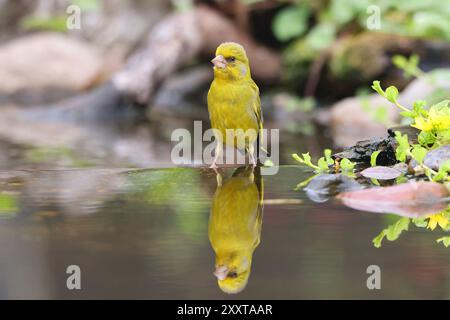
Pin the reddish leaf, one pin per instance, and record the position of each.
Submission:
(380, 173)
(410, 199)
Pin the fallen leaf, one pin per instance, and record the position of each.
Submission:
(381, 173)
(411, 199)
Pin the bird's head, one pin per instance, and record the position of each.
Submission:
(231, 62)
(232, 271)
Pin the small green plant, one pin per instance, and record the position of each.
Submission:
(393, 231)
(410, 66)
(326, 163)
(434, 126)
(433, 123)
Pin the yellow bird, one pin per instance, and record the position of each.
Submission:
(233, 101)
(235, 227)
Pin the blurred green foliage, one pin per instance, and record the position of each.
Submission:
(57, 23)
(312, 26)
(8, 205)
(182, 5)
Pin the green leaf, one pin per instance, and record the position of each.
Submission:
(322, 163)
(443, 172)
(403, 148)
(418, 153)
(379, 238)
(305, 182)
(399, 61)
(443, 136)
(419, 108)
(306, 160)
(420, 222)
(347, 165)
(408, 65)
(377, 87)
(373, 158)
(291, 22)
(392, 94)
(392, 232)
(426, 138)
(408, 114)
(321, 36)
(441, 105)
(444, 240)
(327, 153)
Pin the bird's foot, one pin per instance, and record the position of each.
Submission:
(214, 167)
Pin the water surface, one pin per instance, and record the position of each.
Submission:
(144, 234)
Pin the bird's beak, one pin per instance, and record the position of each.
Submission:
(219, 62)
(221, 272)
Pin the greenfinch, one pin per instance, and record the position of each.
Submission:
(235, 227)
(233, 101)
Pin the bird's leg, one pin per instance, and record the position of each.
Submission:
(217, 154)
(251, 151)
(218, 178)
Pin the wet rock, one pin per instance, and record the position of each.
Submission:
(324, 186)
(411, 132)
(183, 93)
(15, 129)
(351, 122)
(362, 151)
(27, 140)
(48, 60)
(435, 158)
(354, 119)
(109, 26)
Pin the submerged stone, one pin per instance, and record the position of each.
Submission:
(324, 186)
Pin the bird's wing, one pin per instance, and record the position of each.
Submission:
(256, 104)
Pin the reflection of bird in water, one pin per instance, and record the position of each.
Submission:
(235, 226)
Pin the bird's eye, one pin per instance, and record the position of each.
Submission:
(232, 59)
(233, 274)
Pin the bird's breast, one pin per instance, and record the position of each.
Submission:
(231, 107)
